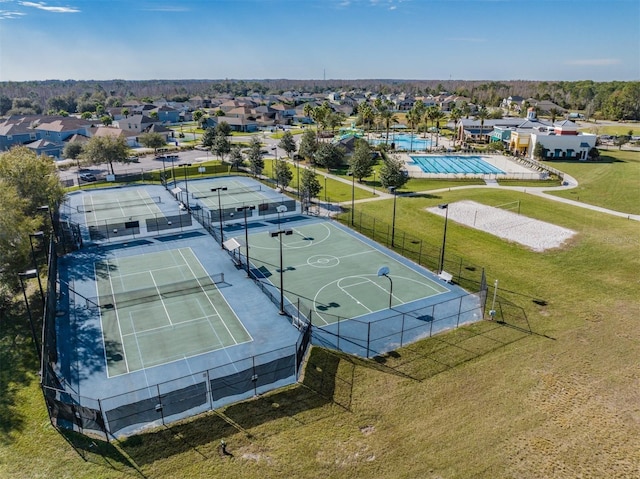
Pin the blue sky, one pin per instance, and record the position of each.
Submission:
(310, 39)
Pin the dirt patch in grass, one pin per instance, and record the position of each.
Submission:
(535, 234)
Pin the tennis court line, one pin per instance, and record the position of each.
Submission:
(164, 306)
(206, 316)
(211, 302)
(115, 310)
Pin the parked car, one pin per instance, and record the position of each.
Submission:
(88, 177)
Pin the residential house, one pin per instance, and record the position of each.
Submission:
(59, 130)
(137, 123)
(167, 114)
(18, 130)
(46, 147)
(236, 123)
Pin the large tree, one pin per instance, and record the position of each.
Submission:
(235, 157)
(221, 146)
(33, 177)
(152, 140)
(309, 185)
(308, 145)
(329, 155)
(208, 137)
(105, 149)
(255, 156)
(392, 173)
(72, 150)
(287, 143)
(27, 183)
(361, 162)
(283, 174)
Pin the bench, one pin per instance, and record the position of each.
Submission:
(446, 277)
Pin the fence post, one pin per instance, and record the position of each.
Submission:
(106, 433)
(402, 331)
(368, 338)
(209, 390)
(420, 254)
(159, 407)
(459, 310)
(433, 320)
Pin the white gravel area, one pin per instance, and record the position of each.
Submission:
(535, 234)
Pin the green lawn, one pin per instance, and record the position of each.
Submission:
(614, 130)
(611, 183)
(336, 191)
(485, 401)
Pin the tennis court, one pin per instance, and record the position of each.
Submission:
(336, 272)
(100, 208)
(228, 193)
(161, 307)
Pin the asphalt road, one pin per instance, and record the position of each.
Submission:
(150, 162)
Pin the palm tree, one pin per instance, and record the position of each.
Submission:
(413, 118)
(554, 112)
(455, 115)
(388, 118)
(429, 115)
(308, 110)
(366, 114)
(437, 116)
(482, 115)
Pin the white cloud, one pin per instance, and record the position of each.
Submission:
(44, 6)
(594, 62)
(6, 15)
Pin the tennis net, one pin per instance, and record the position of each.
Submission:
(134, 297)
(87, 208)
(229, 191)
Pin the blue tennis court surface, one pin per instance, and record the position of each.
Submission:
(454, 164)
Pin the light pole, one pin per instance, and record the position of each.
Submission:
(279, 234)
(393, 220)
(325, 190)
(275, 150)
(186, 183)
(173, 172)
(244, 209)
(445, 207)
(374, 182)
(39, 235)
(384, 271)
(298, 183)
(164, 172)
(32, 273)
(50, 213)
(353, 196)
(219, 189)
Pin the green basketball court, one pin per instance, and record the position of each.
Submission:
(336, 272)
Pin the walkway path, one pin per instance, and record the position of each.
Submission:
(540, 191)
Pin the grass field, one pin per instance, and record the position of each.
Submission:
(487, 401)
(613, 182)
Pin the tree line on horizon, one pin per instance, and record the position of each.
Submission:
(614, 100)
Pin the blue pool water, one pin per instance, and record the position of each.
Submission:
(403, 141)
(454, 164)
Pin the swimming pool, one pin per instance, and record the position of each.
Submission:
(454, 164)
(404, 141)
